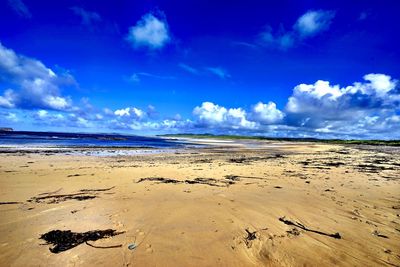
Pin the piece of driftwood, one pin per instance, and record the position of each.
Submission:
(10, 202)
(97, 190)
(93, 246)
(299, 225)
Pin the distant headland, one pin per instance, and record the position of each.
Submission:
(6, 129)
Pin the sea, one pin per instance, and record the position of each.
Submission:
(24, 139)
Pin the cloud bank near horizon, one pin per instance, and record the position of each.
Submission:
(369, 108)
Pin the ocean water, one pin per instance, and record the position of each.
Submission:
(57, 139)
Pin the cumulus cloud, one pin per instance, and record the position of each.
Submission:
(313, 22)
(88, 18)
(150, 31)
(131, 113)
(212, 115)
(308, 25)
(20, 8)
(266, 113)
(37, 85)
(357, 108)
(376, 92)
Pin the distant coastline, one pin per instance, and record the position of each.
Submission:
(249, 137)
(6, 129)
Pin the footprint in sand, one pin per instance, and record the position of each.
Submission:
(140, 232)
(149, 249)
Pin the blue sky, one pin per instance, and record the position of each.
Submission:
(274, 68)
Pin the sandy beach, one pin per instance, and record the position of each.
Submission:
(230, 204)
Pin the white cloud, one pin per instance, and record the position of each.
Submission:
(122, 112)
(136, 77)
(211, 115)
(218, 71)
(20, 8)
(313, 22)
(373, 93)
(361, 108)
(38, 85)
(188, 68)
(150, 32)
(87, 17)
(266, 113)
(108, 111)
(42, 113)
(12, 117)
(7, 100)
(308, 25)
(130, 112)
(282, 40)
(380, 84)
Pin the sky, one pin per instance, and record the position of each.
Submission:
(323, 69)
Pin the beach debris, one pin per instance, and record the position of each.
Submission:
(301, 226)
(10, 202)
(378, 234)
(52, 199)
(83, 194)
(238, 160)
(388, 251)
(199, 180)
(65, 240)
(97, 190)
(132, 246)
(74, 175)
(293, 232)
(203, 161)
(209, 181)
(249, 238)
(232, 177)
(243, 159)
(160, 180)
(93, 246)
(229, 180)
(51, 193)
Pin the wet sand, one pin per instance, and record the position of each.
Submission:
(232, 204)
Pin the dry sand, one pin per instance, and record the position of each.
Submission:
(350, 190)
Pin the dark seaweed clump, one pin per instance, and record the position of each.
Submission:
(65, 240)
